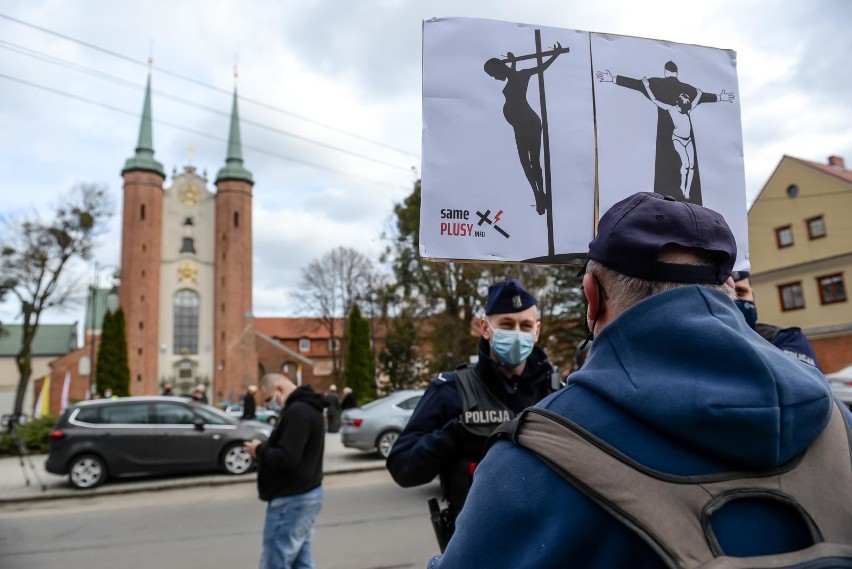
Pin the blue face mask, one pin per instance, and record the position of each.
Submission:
(749, 310)
(511, 346)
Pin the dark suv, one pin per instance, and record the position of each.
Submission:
(147, 435)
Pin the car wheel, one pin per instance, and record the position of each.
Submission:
(87, 471)
(236, 460)
(385, 442)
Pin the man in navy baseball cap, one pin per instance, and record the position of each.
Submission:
(679, 388)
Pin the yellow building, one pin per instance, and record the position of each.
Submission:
(800, 246)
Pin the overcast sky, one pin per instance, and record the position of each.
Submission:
(330, 101)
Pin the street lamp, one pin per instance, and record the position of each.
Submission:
(111, 305)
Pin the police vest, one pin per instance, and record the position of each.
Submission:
(671, 513)
(481, 412)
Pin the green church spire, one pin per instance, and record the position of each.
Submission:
(144, 158)
(233, 169)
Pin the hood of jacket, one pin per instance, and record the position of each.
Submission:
(685, 363)
(306, 394)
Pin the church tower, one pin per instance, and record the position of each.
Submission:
(234, 338)
(139, 294)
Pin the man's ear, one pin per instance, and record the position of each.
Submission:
(484, 328)
(590, 289)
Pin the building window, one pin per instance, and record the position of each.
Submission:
(185, 322)
(831, 289)
(791, 296)
(816, 227)
(333, 344)
(142, 212)
(784, 236)
(236, 219)
(793, 190)
(304, 345)
(188, 245)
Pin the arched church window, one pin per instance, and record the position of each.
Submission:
(185, 322)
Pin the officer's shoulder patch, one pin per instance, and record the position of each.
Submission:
(444, 377)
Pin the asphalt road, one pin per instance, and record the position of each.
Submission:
(367, 522)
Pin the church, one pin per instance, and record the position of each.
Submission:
(186, 271)
(186, 288)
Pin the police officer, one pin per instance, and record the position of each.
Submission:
(792, 341)
(447, 432)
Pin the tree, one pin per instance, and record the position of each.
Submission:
(330, 286)
(358, 372)
(453, 290)
(398, 360)
(113, 371)
(448, 295)
(35, 256)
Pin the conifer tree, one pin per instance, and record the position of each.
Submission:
(113, 370)
(358, 370)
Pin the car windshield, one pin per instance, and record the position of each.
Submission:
(213, 416)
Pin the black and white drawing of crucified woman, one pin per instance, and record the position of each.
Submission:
(529, 128)
(676, 171)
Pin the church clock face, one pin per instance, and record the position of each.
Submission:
(189, 195)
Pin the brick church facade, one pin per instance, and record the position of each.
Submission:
(186, 272)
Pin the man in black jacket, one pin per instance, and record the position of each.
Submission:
(289, 474)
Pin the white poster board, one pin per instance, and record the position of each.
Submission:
(489, 150)
(486, 134)
(680, 136)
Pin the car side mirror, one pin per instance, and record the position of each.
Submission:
(198, 423)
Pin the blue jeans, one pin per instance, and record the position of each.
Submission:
(288, 531)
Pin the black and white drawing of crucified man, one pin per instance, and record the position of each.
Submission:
(676, 171)
(528, 127)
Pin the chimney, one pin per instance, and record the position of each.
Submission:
(837, 161)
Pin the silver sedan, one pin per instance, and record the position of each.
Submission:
(377, 425)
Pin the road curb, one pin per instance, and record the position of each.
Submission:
(118, 488)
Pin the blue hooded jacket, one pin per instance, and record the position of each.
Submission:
(679, 383)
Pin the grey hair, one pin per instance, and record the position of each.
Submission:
(624, 291)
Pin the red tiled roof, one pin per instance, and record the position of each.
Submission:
(299, 327)
(843, 173)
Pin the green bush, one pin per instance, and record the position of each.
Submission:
(34, 435)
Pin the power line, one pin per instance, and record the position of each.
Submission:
(109, 77)
(192, 131)
(207, 86)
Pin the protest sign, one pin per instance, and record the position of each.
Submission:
(521, 125)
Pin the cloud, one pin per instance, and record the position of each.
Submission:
(354, 67)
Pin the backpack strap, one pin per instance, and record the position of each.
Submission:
(672, 513)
